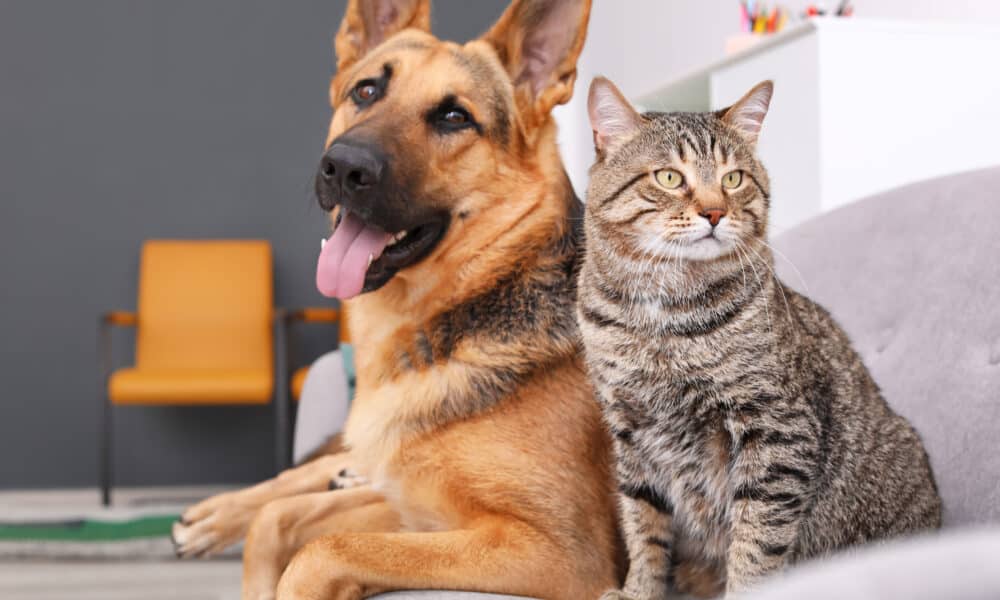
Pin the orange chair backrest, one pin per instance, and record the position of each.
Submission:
(205, 305)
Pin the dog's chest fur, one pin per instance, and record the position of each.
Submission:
(417, 379)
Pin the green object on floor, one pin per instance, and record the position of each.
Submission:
(88, 530)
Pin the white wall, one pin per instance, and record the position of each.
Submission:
(641, 44)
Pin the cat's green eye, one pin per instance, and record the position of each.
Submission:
(670, 179)
(732, 180)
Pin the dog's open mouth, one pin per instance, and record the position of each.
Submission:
(360, 257)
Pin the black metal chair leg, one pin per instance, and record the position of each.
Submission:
(281, 403)
(105, 448)
(281, 437)
(105, 457)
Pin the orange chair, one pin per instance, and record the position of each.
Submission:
(207, 333)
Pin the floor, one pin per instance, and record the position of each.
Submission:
(88, 580)
(211, 580)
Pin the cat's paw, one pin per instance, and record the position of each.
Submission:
(617, 595)
(737, 592)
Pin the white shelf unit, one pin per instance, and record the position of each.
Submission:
(860, 106)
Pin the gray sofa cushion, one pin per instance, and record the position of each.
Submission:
(440, 595)
(956, 565)
(913, 275)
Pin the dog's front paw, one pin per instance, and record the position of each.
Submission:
(617, 595)
(347, 479)
(211, 526)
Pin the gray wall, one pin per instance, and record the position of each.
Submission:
(134, 119)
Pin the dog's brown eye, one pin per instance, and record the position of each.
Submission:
(367, 92)
(456, 117)
(450, 117)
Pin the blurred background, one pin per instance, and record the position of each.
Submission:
(123, 121)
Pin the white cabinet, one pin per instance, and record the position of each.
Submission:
(860, 106)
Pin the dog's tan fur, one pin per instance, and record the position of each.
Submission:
(468, 491)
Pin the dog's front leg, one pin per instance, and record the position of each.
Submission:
(499, 557)
(220, 521)
(284, 526)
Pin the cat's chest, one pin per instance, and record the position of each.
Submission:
(657, 362)
(689, 463)
(688, 443)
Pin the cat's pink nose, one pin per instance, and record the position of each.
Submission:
(714, 215)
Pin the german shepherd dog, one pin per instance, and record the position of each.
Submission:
(477, 456)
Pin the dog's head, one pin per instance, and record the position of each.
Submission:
(430, 140)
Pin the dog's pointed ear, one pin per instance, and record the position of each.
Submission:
(368, 23)
(612, 118)
(539, 42)
(747, 115)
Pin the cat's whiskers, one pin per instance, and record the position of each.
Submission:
(760, 283)
(785, 258)
(676, 255)
(777, 284)
(674, 270)
(802, 279)
(743, 270)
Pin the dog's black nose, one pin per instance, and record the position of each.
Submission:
(349, 170)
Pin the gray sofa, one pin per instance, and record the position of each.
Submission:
(914, 276)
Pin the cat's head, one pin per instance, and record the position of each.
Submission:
(676, 186)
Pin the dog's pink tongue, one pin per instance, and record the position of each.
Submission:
(343, 261)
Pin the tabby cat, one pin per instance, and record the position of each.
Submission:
(748, 434)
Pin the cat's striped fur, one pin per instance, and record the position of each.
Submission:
(748, 433)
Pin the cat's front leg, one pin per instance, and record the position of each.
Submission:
(772, 474)
(758, 549)
(646, 518)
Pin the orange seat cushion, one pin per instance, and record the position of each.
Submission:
(298, 380)
(191, 386)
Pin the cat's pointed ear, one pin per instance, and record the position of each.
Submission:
(747, 115)
(538, 43)
(368, 23)
(612, 118)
